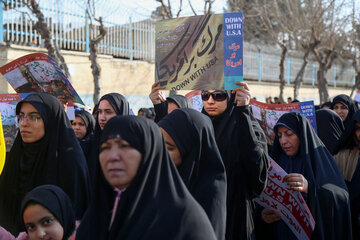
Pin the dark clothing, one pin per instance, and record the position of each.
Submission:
(349, 104)
(55, 159)
(327, 196)
(89, 121)
(56, 201)
(156, 204)
(202, 169)
(329, 129)
(347, 163)
(121, 107)
(161, 109)
(242, 146)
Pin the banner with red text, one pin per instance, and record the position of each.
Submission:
(288, 203)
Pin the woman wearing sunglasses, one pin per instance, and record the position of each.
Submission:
(242, 145)
(45, 151)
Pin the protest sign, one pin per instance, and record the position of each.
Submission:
(200, 52)
(38, 72)
(2, 147)
(269, 114)
(7, 109)
(288, 203)
(195, 98)
(357, 96)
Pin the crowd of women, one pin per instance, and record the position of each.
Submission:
(179, 174)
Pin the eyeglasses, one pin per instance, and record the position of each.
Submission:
(30, 118)
(217, 95)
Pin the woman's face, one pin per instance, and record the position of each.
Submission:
(172, 148)
(341, 110)
(31, 124)
(119, 162)
(79, 127)
(40, 223)
(289, 141)
(105, 113)
(357, 131)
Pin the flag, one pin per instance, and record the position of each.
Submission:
(2, 147)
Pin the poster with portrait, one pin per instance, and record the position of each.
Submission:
(268, 114)
(38, 72)
(200, 52)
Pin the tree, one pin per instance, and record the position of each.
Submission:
(42, 28)
(330, 33)
(352, 47)
(96, 69)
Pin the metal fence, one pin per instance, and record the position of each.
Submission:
(134, 39)
(71, 28)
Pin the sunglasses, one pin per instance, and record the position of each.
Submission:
(217, 96)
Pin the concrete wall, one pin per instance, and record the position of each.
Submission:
(134, 78)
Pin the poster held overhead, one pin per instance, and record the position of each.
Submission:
(200, 52)
(38, 72)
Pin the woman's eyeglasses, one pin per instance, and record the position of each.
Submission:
(217, 95)
(30, 118)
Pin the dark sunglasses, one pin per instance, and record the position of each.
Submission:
(217, 95)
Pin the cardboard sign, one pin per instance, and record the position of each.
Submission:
(288, 203)
(268, 114)
(200, 52)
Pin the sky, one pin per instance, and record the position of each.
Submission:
(141, 9)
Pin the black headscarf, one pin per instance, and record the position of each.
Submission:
(121, 107)
(55, 159)
(329, 128)
(181, 101)
(328, 104)
(242, 145)
(348, 159)
(88, 120)
(202, 169)
(327, 197)
(157, 204)
(56, 201)
(161, 109)
(349, 104)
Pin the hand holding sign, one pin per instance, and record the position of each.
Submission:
(243, 94)
(270, 216)
(156, 95)
(297, 182)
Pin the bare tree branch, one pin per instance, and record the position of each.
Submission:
(192, 8)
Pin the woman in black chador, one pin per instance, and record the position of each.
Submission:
(242, 146)
(312, 170)
(190, 140)
(345, 107)
(45, 151)
(83, 126)
(348, 161)
(110, 105)
(150, 201)
(329, 129)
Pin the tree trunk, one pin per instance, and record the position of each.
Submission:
(300, 76)
(45, 33)
(96, 69)
(281, 75)
(356, 85)
(322, 84)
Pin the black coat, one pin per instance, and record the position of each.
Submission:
(56, 159)
(156, 204)
(202, 169)
(327, 198)
(242, 146)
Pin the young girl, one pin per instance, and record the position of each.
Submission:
(47, 213)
